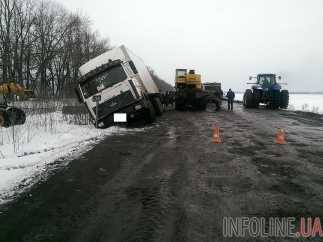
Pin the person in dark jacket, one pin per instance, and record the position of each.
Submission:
(230, 95)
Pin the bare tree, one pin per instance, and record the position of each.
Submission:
(42, 46)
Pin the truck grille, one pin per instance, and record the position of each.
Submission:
(114, 104)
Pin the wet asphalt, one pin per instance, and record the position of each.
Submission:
(170, 182)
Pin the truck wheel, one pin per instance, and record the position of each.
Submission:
(179, 104)
(16, 116)
(1, 120)
(157, 105)
(248, 101)
(150, 114)
(284, 99)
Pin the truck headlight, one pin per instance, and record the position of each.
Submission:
(137, 107)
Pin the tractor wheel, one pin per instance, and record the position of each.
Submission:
(256, 98)
(202, 107)
(274, 100)
(284, 99)
(5, 121)
(179, 104)
(248, 100)
(1, 120)
(200, 104)
(16, 116)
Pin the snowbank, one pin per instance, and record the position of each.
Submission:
(27, 151)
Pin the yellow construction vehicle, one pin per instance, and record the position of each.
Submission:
(10, 116)
(189, 91)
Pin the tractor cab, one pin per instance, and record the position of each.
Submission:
(268, 81)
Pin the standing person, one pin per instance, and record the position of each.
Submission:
(230, 95)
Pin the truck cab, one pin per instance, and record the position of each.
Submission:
(124, 86)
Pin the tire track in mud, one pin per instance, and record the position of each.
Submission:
(151, 197)
(284, 173)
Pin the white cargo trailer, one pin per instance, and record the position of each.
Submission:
(118, 84)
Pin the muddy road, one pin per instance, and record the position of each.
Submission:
(169, 182)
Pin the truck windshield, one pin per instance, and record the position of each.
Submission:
(103, 80)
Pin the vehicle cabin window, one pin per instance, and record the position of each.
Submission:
(104, 80)
(266, 80)
(181, 73)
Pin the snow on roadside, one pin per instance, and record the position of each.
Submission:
(43, 140)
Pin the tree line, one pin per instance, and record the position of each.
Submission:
(42, 45)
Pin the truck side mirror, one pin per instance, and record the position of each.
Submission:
(279, 77)
(250, 78)
(133, 67)
(78, 95)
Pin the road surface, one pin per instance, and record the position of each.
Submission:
(170, 182)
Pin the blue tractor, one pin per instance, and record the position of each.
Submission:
(266, 90)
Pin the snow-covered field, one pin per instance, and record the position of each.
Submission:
(27, 152)
(301, 102)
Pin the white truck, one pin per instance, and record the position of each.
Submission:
(117, 87)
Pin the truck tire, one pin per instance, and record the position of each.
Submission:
(15, 116)
(284, 99)
(150, 114)
(157, 105)
(248, 101)
(179, 104)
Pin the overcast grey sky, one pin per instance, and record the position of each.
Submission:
(224, 40)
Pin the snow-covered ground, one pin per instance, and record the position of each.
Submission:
(27, 152)
(301, 102)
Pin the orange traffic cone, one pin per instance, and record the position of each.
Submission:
(216, 135)
(280, 137)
